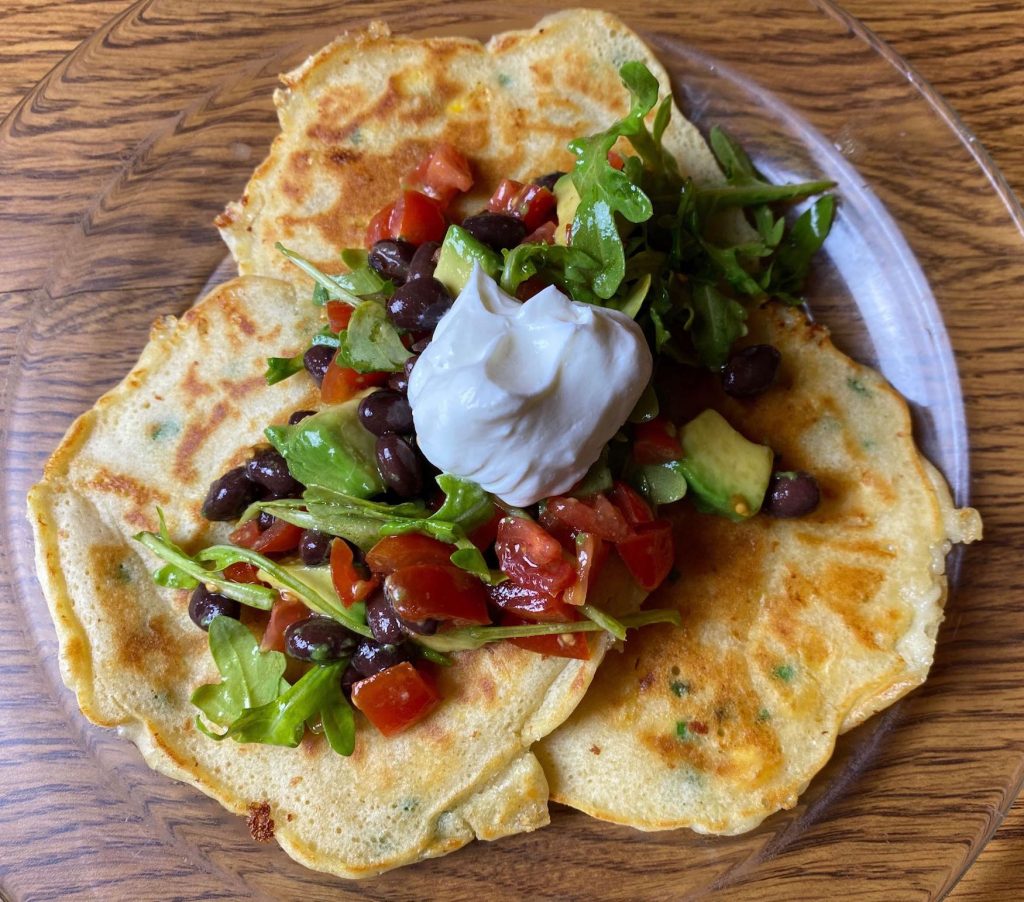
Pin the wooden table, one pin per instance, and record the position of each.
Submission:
(973, 52)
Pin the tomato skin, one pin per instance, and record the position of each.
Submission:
(341, 383)
(590, 555)
(531, 556)
(441, 175)
(649, 554)
(244, 535)
(338, 315)
(417, 219)
(379, 227)
(634, 507)
(531, 286)
(563, 645)
(533, 204)
(348, 582)
(282, 616)
(597, 516)
(437, 592)
(529, 604)
(485, 534)
(395, 699)
(279, 536)
(543, 234)
(615, 160)
(395, 552)
(242, 572)
(655, 442)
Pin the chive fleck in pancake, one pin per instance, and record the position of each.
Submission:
(193, 407)
(793, 630)
(361, 113)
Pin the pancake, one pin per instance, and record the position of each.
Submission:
(193, 407)
(361, 113)
(793, 630)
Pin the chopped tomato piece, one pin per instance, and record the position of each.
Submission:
(590, 554)
(348, 582)
(649, 554)
(277, 537)
(282, 615)
(655, 442)
(417, 218)
(532, 204)
(560, 645)
(395, 552)
(442, 174)
(530, 604)
(598, 516)
(341, 383)
(242, 572)
(543, 234)
(632, 504)
(245, 535)
(380, 226)
(437, 592)
(485, 534)
(529, 287)
(338, 315)
(396, 698)
(615, 160)
(531, 556)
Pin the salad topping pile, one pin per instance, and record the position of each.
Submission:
(474, 462)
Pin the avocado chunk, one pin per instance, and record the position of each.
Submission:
(567, 199)
(459, 252)
(727, 473)
(661, 483)
(331, 449)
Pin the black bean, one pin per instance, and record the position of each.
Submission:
(548, 181)
(267, 468)
(791, 494)
(317, 359)
(419, 305)
(399, 466)
(265, 520)
(391, 259)
(424, 261)
(384, 623)
(397, 382)
(314, 547)
(419, 627)
(349, 678)
(204, 605)
(496, 230)
(371, 657)
(386, 411)
(750, 371)
(420, 346)
(318, 639)
(299, 416)
(229, 496)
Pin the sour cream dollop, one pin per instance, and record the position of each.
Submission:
(521, 397)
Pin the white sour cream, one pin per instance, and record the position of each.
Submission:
(521, 397)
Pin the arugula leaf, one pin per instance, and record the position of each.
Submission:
(186, 566)
(334, 290)
(371, 344)
(465, 503)
(803, 241)
(280, 368)
(338, 719)
(249, 677)
(282, 720)
(171, 577)
(717, 322)
(472, 637)
(604, 620)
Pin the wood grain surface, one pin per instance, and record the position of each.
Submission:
(971, 51)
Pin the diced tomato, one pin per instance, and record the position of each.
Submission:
(277, 537)
(655, 442)
(246, 534)
(241, 572)
(396, 698)
(529, 287)
(348, 582)
(395, 552)
(649, 554)
(632, 504)
(442, 174)
(282, 615)
(341, 383)
(417, 218)
(380, 226)
(590, 553)
(543, 234)
(485, 534)
(561, 645)
(615, 160)
(437, 592)
(530, 604)
(531, 556)
(598, 516)
(532, 204)
(338, 315)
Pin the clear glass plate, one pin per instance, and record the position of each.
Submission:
(114, 167)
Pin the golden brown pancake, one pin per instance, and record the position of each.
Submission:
(793, 630)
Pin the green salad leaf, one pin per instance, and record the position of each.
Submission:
(280, 368)
(371, 344)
